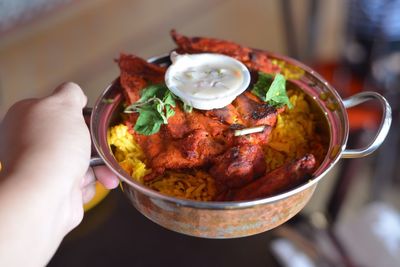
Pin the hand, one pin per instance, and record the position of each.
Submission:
(45, 177)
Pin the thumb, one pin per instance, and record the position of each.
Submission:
(70, 93)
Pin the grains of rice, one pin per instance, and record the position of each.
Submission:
(196, 186)
(294, 134)
(127, 152)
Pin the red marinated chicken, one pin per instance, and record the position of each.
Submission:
(278, 180)
(255, 60)
(239, 165)
(136, 74)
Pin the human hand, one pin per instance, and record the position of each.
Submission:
(45, 151)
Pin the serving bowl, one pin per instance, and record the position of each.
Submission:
(240, 218)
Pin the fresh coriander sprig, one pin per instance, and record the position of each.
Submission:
(272, 89)
(155, 106)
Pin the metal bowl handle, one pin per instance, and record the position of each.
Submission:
(383, 128)
(95, 159)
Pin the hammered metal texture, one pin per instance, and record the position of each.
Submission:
(228, 223)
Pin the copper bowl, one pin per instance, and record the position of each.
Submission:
(242, 218)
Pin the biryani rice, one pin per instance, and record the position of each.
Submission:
(127, 152)
(294, 135)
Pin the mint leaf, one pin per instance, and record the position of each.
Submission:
(160, 107)
(169, 112)
(154, 90)
(169, 99)
(155, 106)
(272, 89)
(262, 85)
(276, 93)
(149, 122)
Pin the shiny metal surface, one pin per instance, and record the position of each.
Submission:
(240, 218)
(383, 128)
(95, 160)
(217, 223)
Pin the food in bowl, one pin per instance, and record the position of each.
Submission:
(269, 139)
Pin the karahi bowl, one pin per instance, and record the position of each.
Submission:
(240, 218)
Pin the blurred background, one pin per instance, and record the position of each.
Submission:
(353, 218)
(45, 42)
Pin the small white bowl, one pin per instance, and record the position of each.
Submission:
(208, 98)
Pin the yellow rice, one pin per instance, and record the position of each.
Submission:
(127, 152)
(197, 186)
(293, 136)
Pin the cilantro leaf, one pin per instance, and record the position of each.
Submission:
(272, 89)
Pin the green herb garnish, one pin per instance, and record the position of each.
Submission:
(272, 89)
(155, 106)
(187, 108)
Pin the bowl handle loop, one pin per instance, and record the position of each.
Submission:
(95, 159)
(383, 128)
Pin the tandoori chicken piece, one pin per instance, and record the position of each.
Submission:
(253, 112)
(247, 110)
(195, 150)
(199, 44)
(255, 60)
(243, 162)
(136, 74)
(227, 114)
(188, 140)
(239, 165)
(278, 180)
